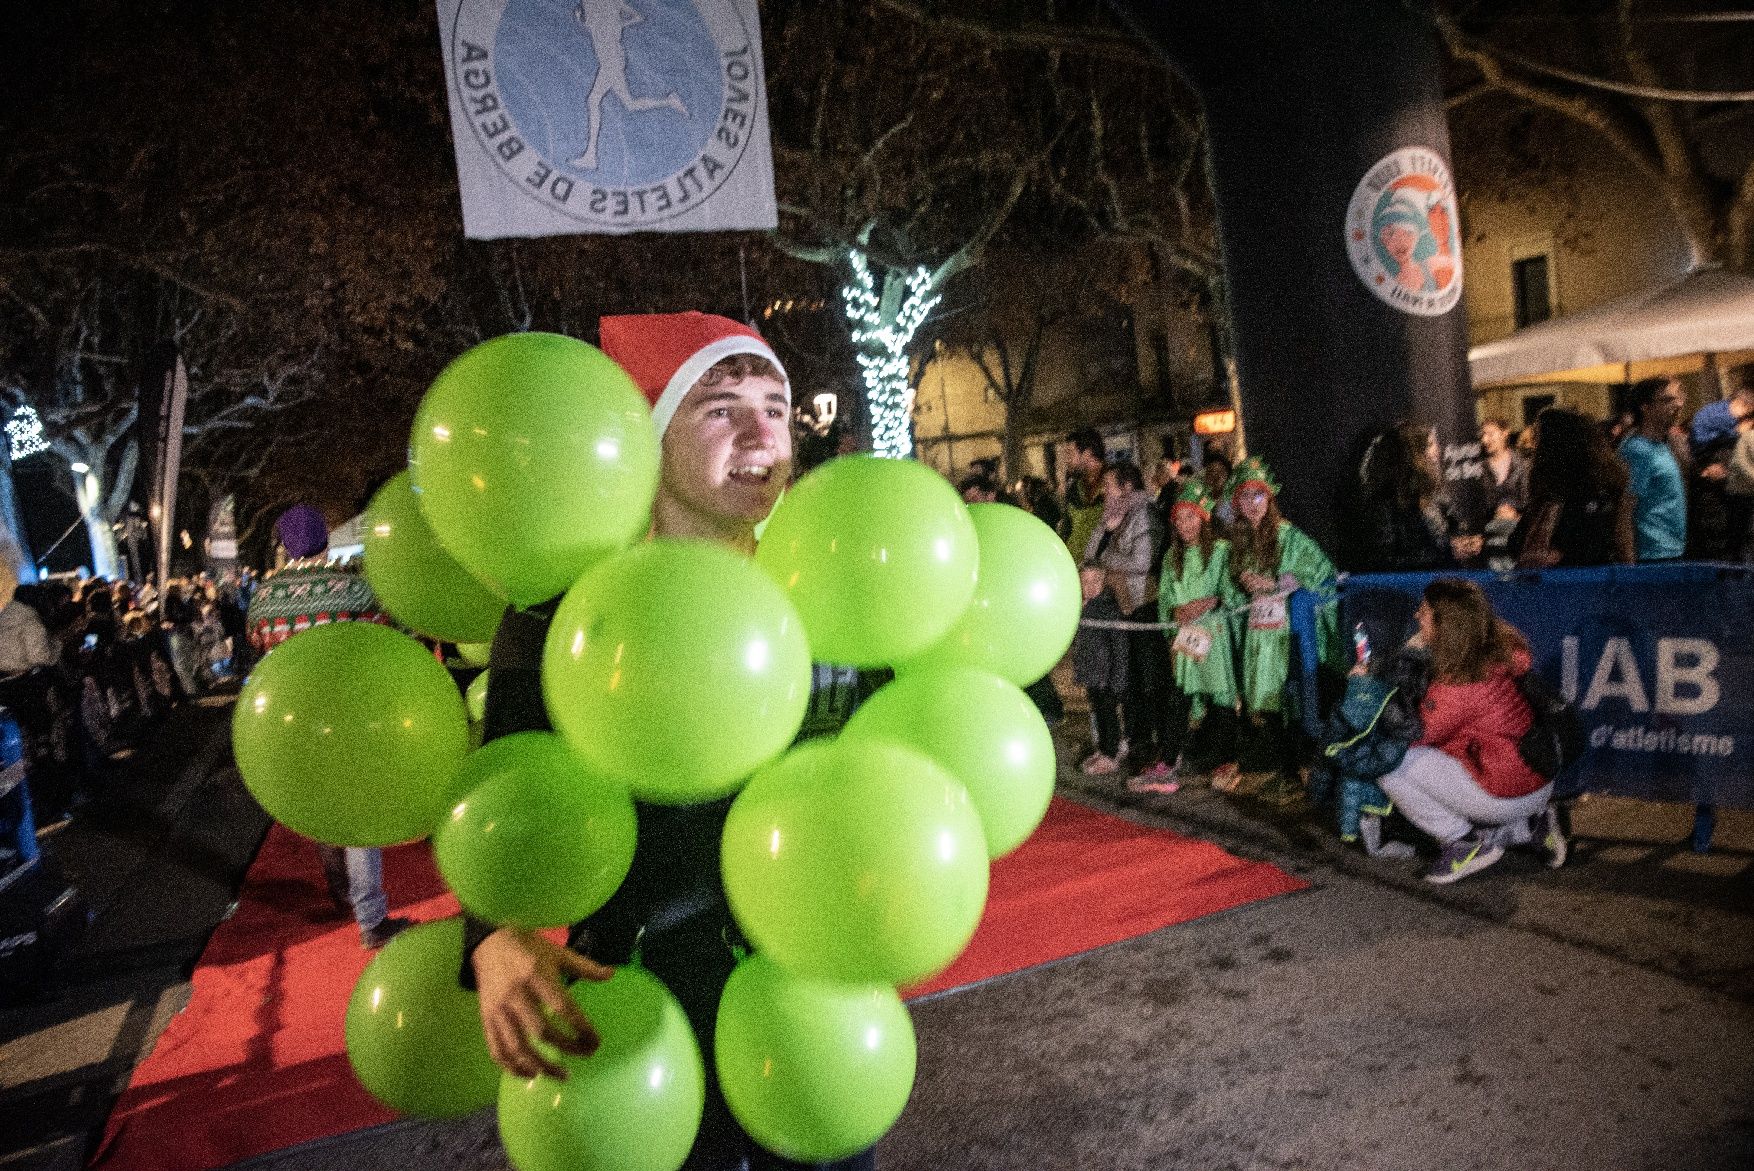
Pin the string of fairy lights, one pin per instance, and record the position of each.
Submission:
(882, 356)
(882, 351)
(24, 433)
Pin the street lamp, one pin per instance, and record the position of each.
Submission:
(827, 408)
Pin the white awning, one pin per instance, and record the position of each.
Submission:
(1663, 331)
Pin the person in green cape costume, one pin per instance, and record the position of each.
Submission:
(1190, 602)
(1269, 559)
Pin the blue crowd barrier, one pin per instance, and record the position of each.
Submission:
(1659, 660)
(17, 819)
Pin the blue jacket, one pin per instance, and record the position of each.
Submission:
(1365, 738)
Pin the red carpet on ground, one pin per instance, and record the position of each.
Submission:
(256, 1062)
(1085, 879)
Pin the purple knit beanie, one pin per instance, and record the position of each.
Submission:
(303, 531)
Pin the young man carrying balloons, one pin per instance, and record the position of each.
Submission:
(612, 499)
(721, 404)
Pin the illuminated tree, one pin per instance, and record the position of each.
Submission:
(996, 131)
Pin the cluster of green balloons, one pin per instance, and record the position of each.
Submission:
(675, 672)
(859, 863)
(533, 457)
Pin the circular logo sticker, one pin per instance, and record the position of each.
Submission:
(1401, 233)
(614, 112)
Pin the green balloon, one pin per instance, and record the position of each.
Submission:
(420, 584)
(878, 555)
(677, 667)
(634, 1105)
(475, 654)
(534, 457)
(859, 861)
(539, 840)
(413, 1035)
(813, 1070)
(351, 734)
(1026, 601)
(984, 731)
(475, 698)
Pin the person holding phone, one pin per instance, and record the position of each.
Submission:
(1116, 574)
(1463, 780)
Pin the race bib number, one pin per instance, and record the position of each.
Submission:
(1267, 612)
(1193, 642)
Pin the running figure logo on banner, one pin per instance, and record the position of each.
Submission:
(608, 115)
(1401, 233)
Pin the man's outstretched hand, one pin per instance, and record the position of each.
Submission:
(521, 978)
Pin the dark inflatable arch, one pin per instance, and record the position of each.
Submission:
(1303, 101)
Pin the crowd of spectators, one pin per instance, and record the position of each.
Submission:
(88, 666)
(1174, 561)
(1187, 572)
(1646, 486)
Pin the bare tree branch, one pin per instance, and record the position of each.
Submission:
(1646, 84)
(1740, 221)
(1620, 131)
(1641, 121)
(811, 253)
(1461, 97)
(122, 484)
(1087, 40)
(969, 254)
(157, 265)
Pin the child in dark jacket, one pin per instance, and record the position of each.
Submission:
(1364, 739)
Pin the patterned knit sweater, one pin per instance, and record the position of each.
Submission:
(308, 593)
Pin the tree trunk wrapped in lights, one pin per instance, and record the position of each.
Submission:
(882, 327)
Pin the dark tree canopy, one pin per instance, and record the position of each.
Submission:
(272, 187)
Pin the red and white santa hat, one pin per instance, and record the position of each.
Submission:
(666, 353)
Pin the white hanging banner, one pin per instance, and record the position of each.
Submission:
(608, 116)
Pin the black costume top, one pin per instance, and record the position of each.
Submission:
(671, 908)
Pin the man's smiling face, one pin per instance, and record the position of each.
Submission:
(728, 451)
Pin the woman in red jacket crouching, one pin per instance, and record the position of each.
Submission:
(1463, 781)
